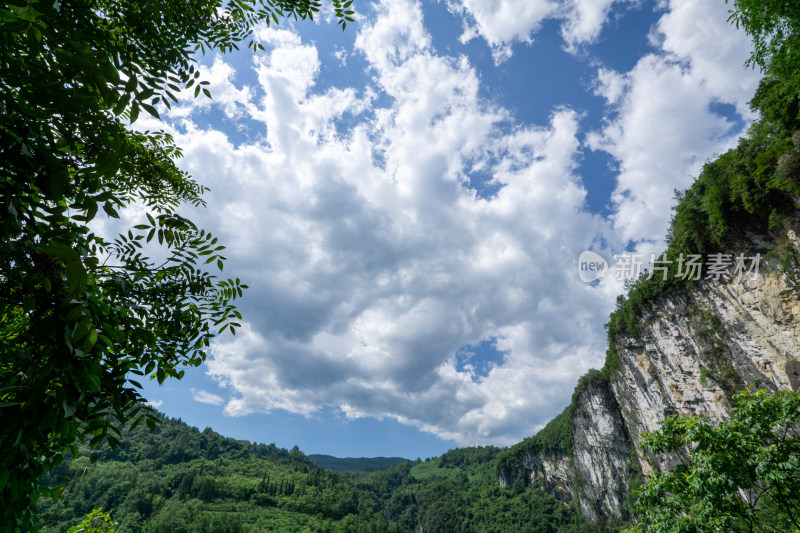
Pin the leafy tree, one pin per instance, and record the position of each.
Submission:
(96, 522)
(774, 26)
(82, 316)
(742, 475)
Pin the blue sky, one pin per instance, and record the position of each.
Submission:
(407, 200)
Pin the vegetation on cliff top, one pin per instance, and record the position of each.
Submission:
(554, 438)
(754, 187)
(751, 188)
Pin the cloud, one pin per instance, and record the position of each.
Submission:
(384, 227)
(505, 22)
(583, 20)
(373, 256)
(502, 22)
(207, 397)
(697, 33)
(663, 125)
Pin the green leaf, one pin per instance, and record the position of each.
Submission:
(122, 104)
(150, 109)
(91, 340)
(69, 408)
(26, 13)
(110, 211)
(62, 251)
(56, 178)
(74, 313)
(81, 329)
(134, 113)
(76, 275)
(130, 85)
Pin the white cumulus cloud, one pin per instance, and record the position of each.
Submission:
(207, 397)
(505, 22)
(383, 228)
(372, 257)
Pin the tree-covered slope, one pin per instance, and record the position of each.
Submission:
(459, 492)
(344, 464)
(180, 479)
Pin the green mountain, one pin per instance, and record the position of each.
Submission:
(344, 464)
(179, 479)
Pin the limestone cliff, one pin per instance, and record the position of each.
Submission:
(600, 452)
(693, 349)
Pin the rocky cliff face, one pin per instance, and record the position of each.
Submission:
(601, 452)
(703, 345)
(553, 469)
(693, 350)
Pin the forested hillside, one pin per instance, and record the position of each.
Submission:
(343, 464)
(180, 479)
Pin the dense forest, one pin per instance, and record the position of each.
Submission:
(179, 479)
(344, 464)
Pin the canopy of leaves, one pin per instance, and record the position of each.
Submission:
(81, 316)
(774, 26)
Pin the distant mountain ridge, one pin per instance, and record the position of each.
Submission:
(345, 464)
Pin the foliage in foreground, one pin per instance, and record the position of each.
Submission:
(81, 316)
(96, 522)
(742, 475)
